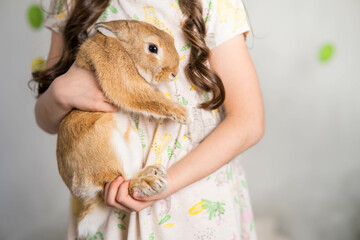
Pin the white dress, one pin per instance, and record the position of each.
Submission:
(216, 207)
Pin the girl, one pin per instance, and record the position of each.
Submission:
(207, 197)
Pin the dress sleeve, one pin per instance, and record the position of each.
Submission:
(57, 15)
(224, 19)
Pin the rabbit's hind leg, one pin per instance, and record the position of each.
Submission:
(91, 217)
(149, 181)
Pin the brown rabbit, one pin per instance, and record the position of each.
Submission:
(129, 58)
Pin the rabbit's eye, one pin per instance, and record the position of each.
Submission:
(153, 48)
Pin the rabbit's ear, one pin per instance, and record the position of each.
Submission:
(105, 30)
(116, 29)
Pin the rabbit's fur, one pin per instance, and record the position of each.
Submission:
(94, 147)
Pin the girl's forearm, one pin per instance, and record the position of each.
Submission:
(233, 136)
(49, 112)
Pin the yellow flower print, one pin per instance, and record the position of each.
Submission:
(227, 11)
(197, 208)
(164, 220)
(151, 18)
(167, 95)
(182, 58)
(61, 15)
(159, 145)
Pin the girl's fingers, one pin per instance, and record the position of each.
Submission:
(126, 200)
(111, 189)
(123, 192)
(104, 107)
(117, 196)
(105, 191)
(138, 196)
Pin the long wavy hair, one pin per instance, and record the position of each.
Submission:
(86, 12)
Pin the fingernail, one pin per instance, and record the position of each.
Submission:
(136, 194)
(119, 179)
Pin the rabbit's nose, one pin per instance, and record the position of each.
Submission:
(173, 75)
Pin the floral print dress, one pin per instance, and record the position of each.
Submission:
(216, 207)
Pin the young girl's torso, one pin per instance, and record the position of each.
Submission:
(216, 207)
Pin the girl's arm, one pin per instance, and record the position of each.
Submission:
(75, 89)
(242, 127)
(48, 112)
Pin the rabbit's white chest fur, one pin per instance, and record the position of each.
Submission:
(127, 144)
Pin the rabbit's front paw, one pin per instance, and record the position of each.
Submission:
(179, 113)
(150, 181)
(154, 170)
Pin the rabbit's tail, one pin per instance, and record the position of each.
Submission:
(92, 216)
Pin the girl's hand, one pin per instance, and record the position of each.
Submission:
(75, 89)
(78, 89)
(116, 195)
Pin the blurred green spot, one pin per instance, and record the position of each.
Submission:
(35, 16)
(326, 52)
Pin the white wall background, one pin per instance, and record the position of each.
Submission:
(304, 176)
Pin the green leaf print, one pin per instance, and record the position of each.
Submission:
(169, 152)
(165, 219)
(213, 207)
(122, 227)
(243, 183)
(177, 2)
(113, 9)
(211, 6)
(185, 47)
(136, 121)
(142, 137)
(184, 101)
(141, 134)
(251, 228)
(177, 144)
(122, 217)
(229, 173)
(151, 236)
(207, 19)
(60, 7)
(136, 17)
(95, 237)
(205, 96)
(104, 15)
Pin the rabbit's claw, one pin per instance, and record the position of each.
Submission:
(150, 181)
(179, 114)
